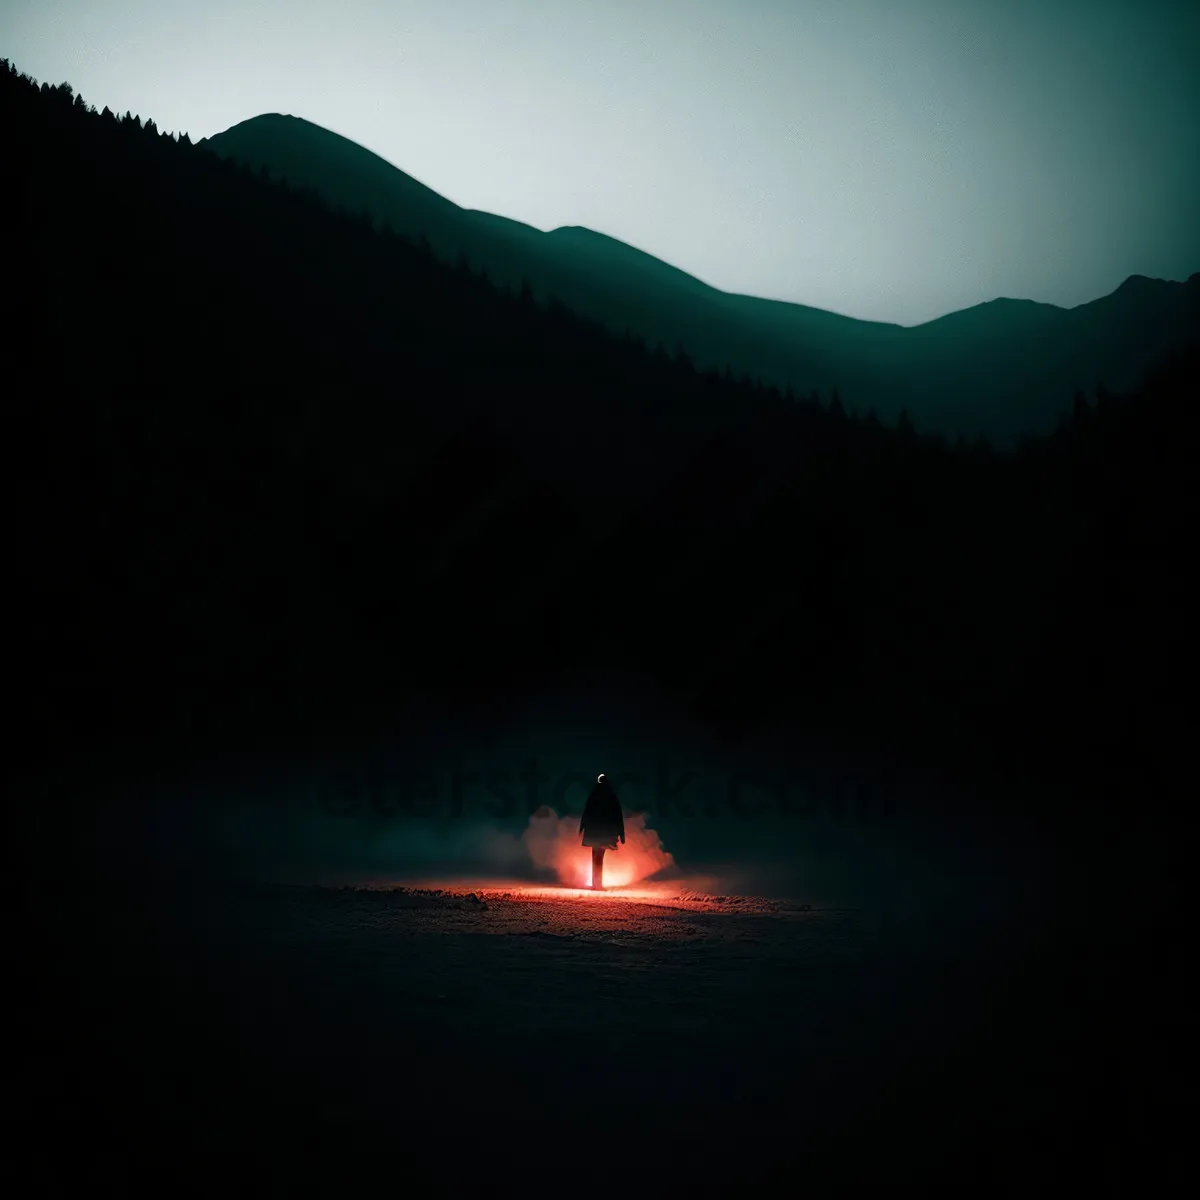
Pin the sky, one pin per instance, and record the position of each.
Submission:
(892, 160)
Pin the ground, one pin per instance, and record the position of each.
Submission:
(471, 1032)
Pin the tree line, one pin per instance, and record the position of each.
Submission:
(273, 468)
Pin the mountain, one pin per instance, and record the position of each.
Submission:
(1002, 369)
(280, 479)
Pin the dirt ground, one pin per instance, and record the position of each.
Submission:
(467, 1032)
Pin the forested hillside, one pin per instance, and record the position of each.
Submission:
(272, 469)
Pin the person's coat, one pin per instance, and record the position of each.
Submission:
(603, 823)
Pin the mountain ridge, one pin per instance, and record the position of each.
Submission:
(1003, 368)
(1136, 279)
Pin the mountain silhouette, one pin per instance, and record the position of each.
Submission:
(999, 369)
(281, 474)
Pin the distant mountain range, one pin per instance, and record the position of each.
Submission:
(1001, 369)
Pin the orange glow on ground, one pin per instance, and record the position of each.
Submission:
(536, 891)
(694, 894)
(553, 844)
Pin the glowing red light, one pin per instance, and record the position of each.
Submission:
(553, 843)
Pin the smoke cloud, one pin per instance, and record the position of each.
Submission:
(553, 845)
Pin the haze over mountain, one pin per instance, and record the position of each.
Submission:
(1000, 369)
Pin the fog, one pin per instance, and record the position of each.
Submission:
(498, 797)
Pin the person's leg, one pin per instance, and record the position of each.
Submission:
(597, 866)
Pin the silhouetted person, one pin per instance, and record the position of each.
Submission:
(602, 826)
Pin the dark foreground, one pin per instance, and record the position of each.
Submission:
(524, 1039)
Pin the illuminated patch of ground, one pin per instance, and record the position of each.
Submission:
(643, 914)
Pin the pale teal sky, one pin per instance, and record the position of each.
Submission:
(888, 159)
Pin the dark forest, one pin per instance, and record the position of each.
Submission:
(267, 459)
